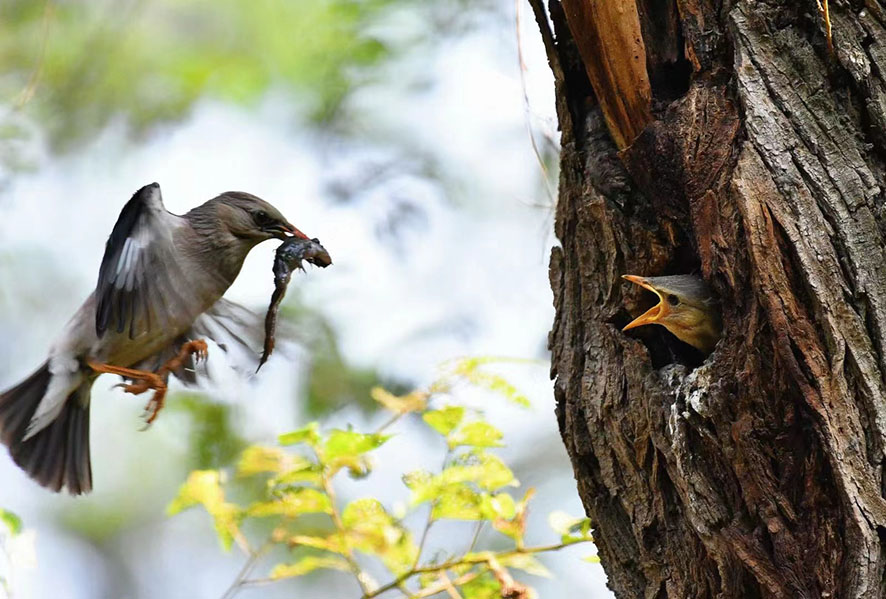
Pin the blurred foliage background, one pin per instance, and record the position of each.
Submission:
(149, 62)
(408, 119)
(72, 68)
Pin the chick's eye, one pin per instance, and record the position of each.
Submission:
(673, 299)
(262, 219)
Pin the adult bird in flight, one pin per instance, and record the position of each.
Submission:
(159, 295)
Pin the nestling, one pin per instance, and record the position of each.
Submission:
(685, 307)
(158, 297)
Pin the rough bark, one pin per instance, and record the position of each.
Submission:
(758, 470)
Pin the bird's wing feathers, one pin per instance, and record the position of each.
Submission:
(140, 277)
(238, 331)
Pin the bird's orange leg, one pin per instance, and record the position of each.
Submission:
(146, 380)
(154, 380)
(189, 348)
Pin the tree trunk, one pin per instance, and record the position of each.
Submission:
(733, 141)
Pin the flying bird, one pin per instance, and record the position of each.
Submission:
(685, 307)
(158, 297)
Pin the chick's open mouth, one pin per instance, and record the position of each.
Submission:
(653, 314)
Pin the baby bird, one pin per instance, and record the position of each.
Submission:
(685, 307)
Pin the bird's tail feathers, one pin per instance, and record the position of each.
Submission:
(58, 456)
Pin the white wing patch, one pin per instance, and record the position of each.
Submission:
(66, 377)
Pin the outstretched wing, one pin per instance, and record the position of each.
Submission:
(236, 330)
(140, 276)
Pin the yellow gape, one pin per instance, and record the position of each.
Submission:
(685, 307)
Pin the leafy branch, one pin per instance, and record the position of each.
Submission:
(470, 485)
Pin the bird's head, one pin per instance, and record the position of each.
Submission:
(685, 307)
(250, 218)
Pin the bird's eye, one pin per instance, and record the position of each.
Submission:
(673, 299)
(262, 219)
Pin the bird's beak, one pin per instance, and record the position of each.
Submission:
(653, 314)
(284, 231)
(290, 228)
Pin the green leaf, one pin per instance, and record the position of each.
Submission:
(593, 559)
(515, 526)
(258, 460)
(498, 506)
(289, 468)
(469, 369)
(333, 543)
(461, 502)
(365, 512)
(488, 471)
(203, 487)
(499, 384)
(416, 401)
(476, 434)
(417, 479)
(570, 528)
(348, 445)
(482, 587)
(371, 529)
(445, 420)
(309, 434)
(526, 562)
(293, 503)
(482, 469)
(309, 564)
(12, 522)
(458, 502)
(301, 472)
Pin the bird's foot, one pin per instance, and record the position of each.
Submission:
(154, 406)
(140, 385)
(141, 381)
(198, 348)
(146, 381)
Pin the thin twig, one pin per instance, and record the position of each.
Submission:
(424, 535)
(430, 521)
(477, 530)
(465, 560)
(257, 582)
(405, 590)
(242, 576)
(448, 586)
(358, 572)
(438, 588)
(527, 108)
(31, 86)
(509, 586)
(388, 423)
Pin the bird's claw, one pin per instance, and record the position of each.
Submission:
(133, 388)
(153, 407)
(200, 350)
(150, 382)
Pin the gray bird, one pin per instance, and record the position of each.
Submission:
(158, 295)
